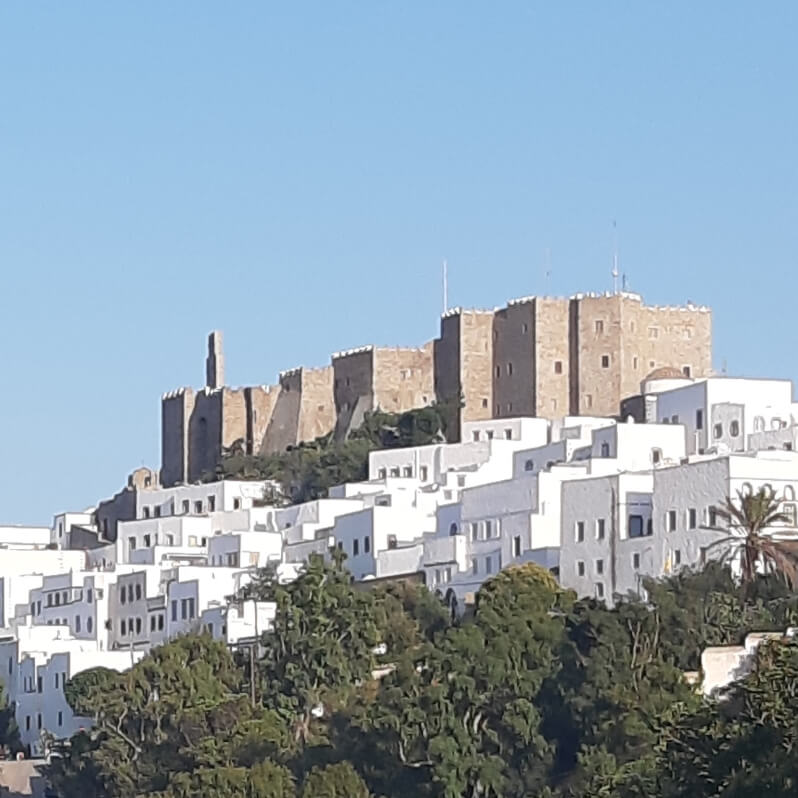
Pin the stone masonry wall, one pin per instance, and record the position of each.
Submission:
(205, 434)
(552, 366)
(284, 422)
(353, 388)
(476, 364)
(317, 407)
(514, 360)
(176, 409)
(403, 378)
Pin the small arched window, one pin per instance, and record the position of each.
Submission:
(453, 530)
(734, 428)
(605, 449)
(529, 465)
(656, 456)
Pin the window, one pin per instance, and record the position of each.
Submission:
(636, 560)
(408, 471)
(474, 530)
(89, 624)
(174, 609)
(599, 326)
(131, 544)
(422, 473)
(39, 720)
(529, 465)
(712, 516)
(382, 473)
(27, 723)
(146, 512)
(588, 400)
(367, 544)
(558, 366)
(452, 530)
(138, 626)
(517, 546)
(580, 531)
(340, 545)
(123, 627)
(600, 590)
(687, 371)
(734, 428)
(510, 369)
(39, 684)
(580, 568)
(77, 624)
(488, 565)
(211, 503)
(699, 419)
(674, 419)
(60, 718)
(508, 434)
(656, 456)
(395, 471)
(484, 402)
(49, 599)
(488, 529)
(747, 490)
(677, 557)
(147, 541)
(634, 362)
(759, 424)
(605, 449)
(392, 541)
(600, 528)
(461, 480)
(130, 593)
(717, 431)
(160, 623)
(198, 506)
(122, 595)
(524, 328)
(671, 520)
(157, 511)
(170, 540)
(184, 609)
(186, 506)
(474, 566)
(138, 592)
(355, 547)
(509, 408)
(653, 332)
(498, 371)
(692, 518)
(635, 526)
(599, 567)
(237, 503)
(88, 596)
(605, 361)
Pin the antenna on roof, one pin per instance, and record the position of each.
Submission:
(614, 257)
(445, 286)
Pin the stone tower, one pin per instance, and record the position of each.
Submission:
(214, 363)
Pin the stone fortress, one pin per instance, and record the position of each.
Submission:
(538, 356)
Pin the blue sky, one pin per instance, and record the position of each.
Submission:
(294, 173)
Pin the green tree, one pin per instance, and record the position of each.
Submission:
(334, 781)
(745, 746)
(321, 643)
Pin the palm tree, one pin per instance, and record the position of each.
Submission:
(747, 526)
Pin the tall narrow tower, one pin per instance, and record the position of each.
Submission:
(214, 363)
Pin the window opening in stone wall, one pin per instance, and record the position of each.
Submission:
(558, 366)
(605, 361)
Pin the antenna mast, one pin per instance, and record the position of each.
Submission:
(615, 257)
(445, 286)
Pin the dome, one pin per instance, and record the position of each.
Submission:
(665, 373)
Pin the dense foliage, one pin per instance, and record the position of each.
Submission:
(307, 471)
(533, 694)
